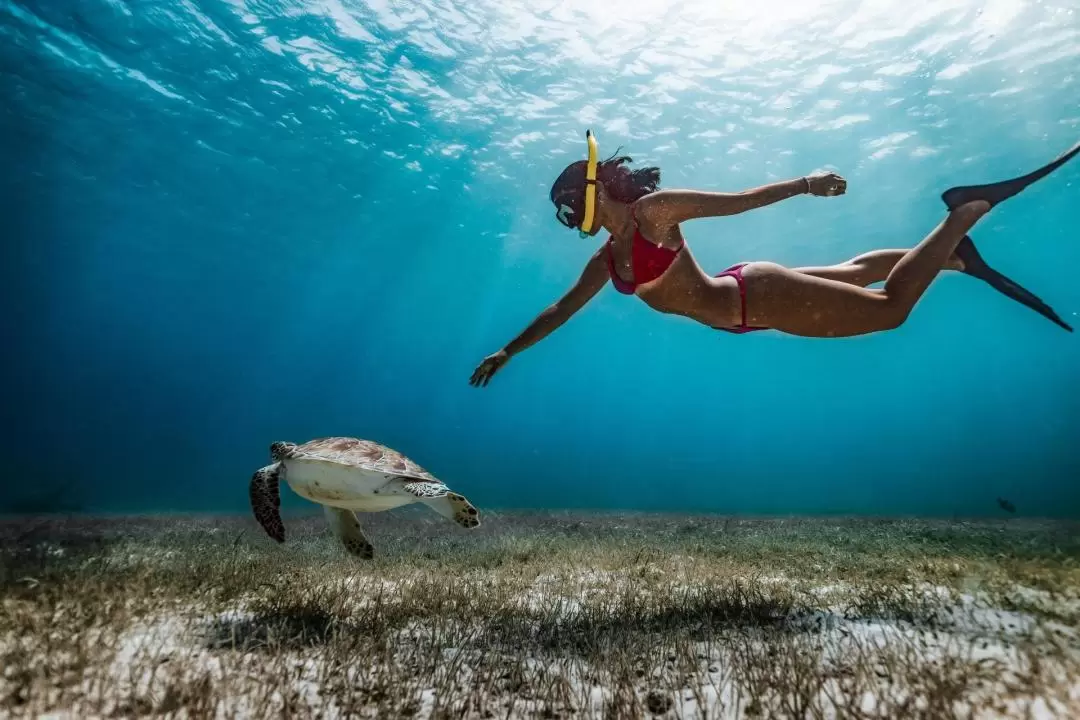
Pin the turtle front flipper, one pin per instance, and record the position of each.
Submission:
(448, 504)
(266, 500)
(347, 527)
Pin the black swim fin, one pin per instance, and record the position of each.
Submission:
(975, 266)
(995, 193)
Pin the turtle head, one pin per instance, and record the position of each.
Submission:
(279, 450)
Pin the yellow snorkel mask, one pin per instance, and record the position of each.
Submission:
(571, 209)
(590, 187)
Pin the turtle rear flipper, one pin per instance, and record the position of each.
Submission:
(448, 504)
(266, 500)
(346, 526)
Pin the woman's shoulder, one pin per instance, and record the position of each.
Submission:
(654, 223)
(650, 209)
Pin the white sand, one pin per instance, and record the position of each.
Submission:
(151, 653)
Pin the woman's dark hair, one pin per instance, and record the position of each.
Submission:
(624, 184)
(620, 182)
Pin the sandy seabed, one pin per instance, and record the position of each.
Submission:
(546, 615)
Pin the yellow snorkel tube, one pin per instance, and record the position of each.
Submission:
(590, 187)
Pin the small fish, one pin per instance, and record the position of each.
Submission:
(1006, 505)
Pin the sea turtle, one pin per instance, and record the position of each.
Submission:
(345, 475)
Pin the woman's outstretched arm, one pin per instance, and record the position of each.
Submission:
(676, 206)
(592, 279)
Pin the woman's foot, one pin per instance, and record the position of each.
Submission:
(998, 192)
(973, 264)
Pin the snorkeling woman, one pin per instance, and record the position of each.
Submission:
(646, 256)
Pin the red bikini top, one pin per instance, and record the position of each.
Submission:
(647, 261)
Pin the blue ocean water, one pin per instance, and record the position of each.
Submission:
(232, 222)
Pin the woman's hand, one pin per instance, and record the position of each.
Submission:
(826, 184)
(490, 365)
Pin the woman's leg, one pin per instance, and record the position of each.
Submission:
(868, 268)
(874, 267)
(802, 304)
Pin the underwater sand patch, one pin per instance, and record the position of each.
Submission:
(171, 650)
(574, 620)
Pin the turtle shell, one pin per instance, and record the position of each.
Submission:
(364, 454)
